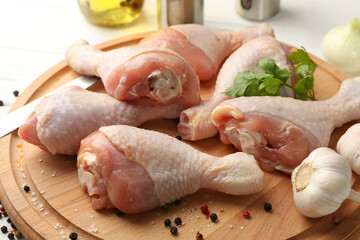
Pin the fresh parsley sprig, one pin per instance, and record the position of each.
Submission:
(273, 79)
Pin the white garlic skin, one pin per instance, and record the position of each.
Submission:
(329, 184)
(349, 146)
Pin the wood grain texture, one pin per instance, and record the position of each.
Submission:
(58, 198)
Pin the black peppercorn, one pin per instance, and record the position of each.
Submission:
(26, 188)
(177, 202)
(13, 226)
(119, 213)
(16, 93)
(267, 207)
(178, 221)
(4, 229)
(18, 234)
(199, 236)
(213, 217)
(9, 220)
(167, 222)
(179, 137)
(73, 236)
(1, 104)
(11, 236)
(173, 230)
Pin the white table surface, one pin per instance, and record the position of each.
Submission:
(35, 34)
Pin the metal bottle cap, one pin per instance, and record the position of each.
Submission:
(172, 12)
(257, 9)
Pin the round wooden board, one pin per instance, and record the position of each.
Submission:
(58, 198)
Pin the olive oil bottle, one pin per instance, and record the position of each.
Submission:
(110, 13)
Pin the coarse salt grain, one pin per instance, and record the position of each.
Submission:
(200, 226)
(92, 216)
(75, 210)
(46, 213)
(64, 236)
(208, 225)
(192, 230)
(33, 199)
(241, 227)
(231, 226)
(40, 160)
(197, 217)
(42, 171)
(41, 205)
(53, 174)
(62, 232)
(42, 191)
(33, 194)
(41, 209)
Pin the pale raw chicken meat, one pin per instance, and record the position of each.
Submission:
(146, 75)
(195, 122)
(60, 121)
(203, 47)
(136, 170)
(281, 132)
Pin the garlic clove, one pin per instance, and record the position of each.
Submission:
(349, 147)
(321, 183)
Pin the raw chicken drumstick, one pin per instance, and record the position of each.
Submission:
(136, 170)
(195, 122)
(59, 122)
(281, 132)
(146, 75)
(203, 47)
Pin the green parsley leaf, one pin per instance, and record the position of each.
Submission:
(272, 86)
(274, 78)
(302, 57)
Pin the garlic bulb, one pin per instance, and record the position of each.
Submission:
(321, 183)
(349, 146)
(341, 47)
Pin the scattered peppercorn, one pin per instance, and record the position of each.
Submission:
(16, 93)
(9, 220)
(1, 104)
(13, 226)
(177, 201)
(199, 236)
(167, 207)
(26, 188)
(246, 214)
(4, 213)
(267, 207)
(73, 236)
(173, 230)
(119, 213)
(336, 219)
(213, 217)
(18, 234)
(11, 236)
(179, 137)
(167, 222)
(4, 229)
(178, 221)
(204, 209)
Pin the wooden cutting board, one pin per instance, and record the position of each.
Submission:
(56, 205)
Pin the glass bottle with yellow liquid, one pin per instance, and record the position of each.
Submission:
(110, 13)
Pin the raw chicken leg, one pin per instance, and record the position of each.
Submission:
(59, 122)
(195, 122)
(136, 170)
(146, 75)
(203, 47)
(281, 132)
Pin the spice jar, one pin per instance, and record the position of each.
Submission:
(257, 9)
(110, 13)
(172, 12)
